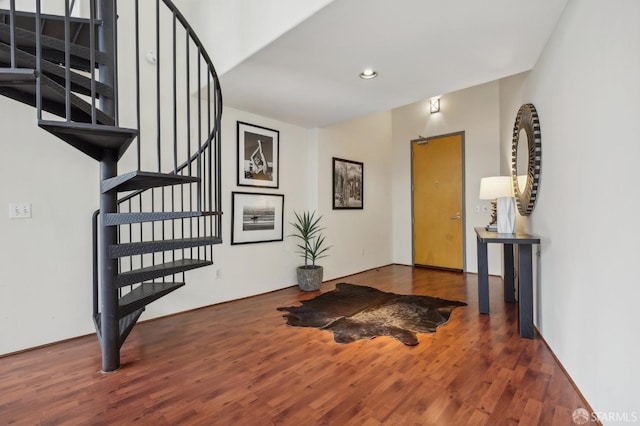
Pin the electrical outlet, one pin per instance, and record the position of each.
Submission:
(20, 210)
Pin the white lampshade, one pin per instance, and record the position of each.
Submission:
(495, 187)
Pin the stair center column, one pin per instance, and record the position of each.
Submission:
(108, 201)
(110, 321)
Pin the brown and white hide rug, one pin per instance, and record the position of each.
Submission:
(353, 312)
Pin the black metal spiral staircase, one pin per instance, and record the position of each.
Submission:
(168, 216)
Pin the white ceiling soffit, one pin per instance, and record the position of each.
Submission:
(233, 30)
(420, 48)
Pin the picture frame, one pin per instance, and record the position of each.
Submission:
(256, 218)
(348, 184)
(258, 156)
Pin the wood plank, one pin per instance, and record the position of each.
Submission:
(238, 363)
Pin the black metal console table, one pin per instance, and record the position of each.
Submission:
(525, 274)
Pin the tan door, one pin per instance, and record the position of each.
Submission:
(438, 228)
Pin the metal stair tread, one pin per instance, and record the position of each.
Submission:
(80, 83)
(113, 219)
(160, 270)
(131, 249)
(25, 20)
(93, 139)
(144, 294)
(12, 76)
(53, 101)
(26, 40)
(144, 180)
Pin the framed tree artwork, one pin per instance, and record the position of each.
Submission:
(256, 218)
(258, 156)
(348, 178)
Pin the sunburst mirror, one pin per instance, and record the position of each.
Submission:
(526, 153)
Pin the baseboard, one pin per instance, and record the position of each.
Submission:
(356, 273)
(564, 370)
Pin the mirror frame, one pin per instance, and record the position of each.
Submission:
(527, 120)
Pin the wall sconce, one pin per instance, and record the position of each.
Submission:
(434, 105)
(503, 205)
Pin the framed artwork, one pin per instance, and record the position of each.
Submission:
(256, 218)
(348, 177)
(258, 156)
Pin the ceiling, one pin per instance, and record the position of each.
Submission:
(309, 76)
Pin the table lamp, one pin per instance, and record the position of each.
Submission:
(503, 209)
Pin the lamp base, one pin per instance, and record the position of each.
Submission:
(506, 215)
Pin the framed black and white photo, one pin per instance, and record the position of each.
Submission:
(256, 218)
(258, 156)
(348, 177)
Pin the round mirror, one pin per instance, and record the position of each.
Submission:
(526, 154)
(522, 160)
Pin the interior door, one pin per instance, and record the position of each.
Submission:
(438, 227)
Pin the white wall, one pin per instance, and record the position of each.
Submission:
(585, 87)
(511, 95)
(474, 111)
(248, 269)
(361, 239)
(45, 261)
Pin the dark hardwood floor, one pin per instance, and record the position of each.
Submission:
(237, 363)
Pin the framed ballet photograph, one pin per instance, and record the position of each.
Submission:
(258, 156)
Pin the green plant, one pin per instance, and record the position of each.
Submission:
(309, 233)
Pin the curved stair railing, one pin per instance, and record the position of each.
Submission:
(162, 217)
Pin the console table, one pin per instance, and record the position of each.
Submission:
(525, 274)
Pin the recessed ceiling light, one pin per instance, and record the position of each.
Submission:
(368, 74)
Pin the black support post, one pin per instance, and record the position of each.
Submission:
(509, 286)
(108, 202)
(525, 291)
(483, 277)
(110, 329)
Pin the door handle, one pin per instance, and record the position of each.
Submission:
(456, 217)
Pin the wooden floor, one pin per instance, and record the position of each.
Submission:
(239, 364)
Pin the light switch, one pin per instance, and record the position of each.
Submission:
(20, 210)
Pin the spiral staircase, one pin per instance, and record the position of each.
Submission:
(161, 215)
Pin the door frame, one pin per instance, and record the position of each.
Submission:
(421, 140)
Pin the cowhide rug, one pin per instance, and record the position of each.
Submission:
(352, 312)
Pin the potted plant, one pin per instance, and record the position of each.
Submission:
(312, 247)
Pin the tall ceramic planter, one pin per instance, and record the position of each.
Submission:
(309, 277)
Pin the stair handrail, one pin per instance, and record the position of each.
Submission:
(214, 134)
